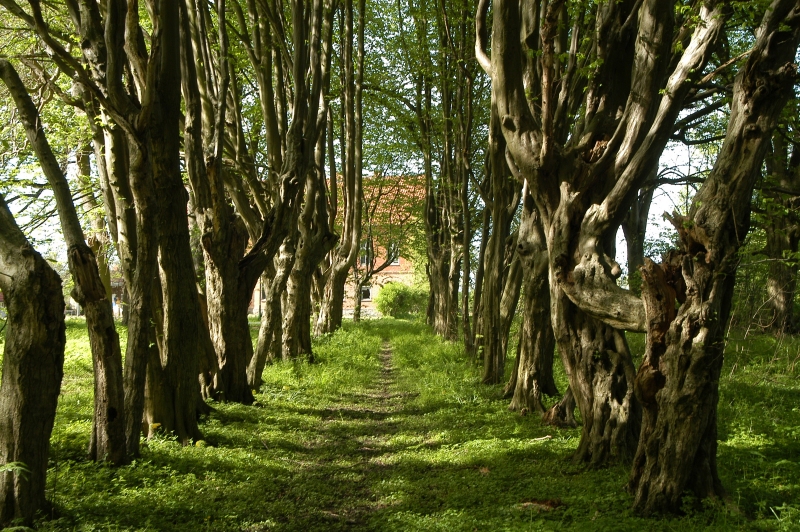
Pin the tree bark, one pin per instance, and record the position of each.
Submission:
(140, 284)
(634, 227)
(533, 375)
(601, 376)
(98, 238)
(315, 242)
(679, 378)
(179, 358)
(33, 361)
(562, 414)
(503, 201)
(782, 228)
(223, 233)
(585, 145)
(783, 238)
(301, 137)
(357, 301)
(269, 347)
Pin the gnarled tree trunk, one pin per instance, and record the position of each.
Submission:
(601, 375)
(585, 145)
(678, 381)
(224, 235)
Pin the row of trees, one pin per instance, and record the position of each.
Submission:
(534, 137)
(248, 116)
(585, 99)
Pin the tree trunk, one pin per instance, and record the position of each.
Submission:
(223, 235)
(511, 292)
(98, 238)
(477, 307)
(270, 334)
(599, 367)
(585, 154)
(108, 424)
(534, 369)
(493, 355)
(227, 316)
(562, 414)
(782, 239)
(502, 201)
(265, 339)
(297, 317)
(634, 227)
(141, 285)
(679, 378)
(180, 304)
(595, 354)
(345, 255)
(782, 228)
(445, 303)
(33, 361)
(357, 301)
(314, 242)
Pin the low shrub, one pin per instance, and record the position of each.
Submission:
(401, 301)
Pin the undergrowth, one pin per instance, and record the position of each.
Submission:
(347, 444)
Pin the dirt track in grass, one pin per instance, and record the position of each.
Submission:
(373, 409)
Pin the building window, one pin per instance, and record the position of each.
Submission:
(394, 252)
(366, 293)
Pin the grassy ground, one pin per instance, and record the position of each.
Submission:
(391, 430)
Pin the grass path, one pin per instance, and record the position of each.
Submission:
(389, 431)
(373, 409)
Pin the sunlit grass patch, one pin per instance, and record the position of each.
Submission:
(345, 444)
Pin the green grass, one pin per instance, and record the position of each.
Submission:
(344, 445)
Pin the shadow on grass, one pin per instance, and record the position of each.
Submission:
(348, 444)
